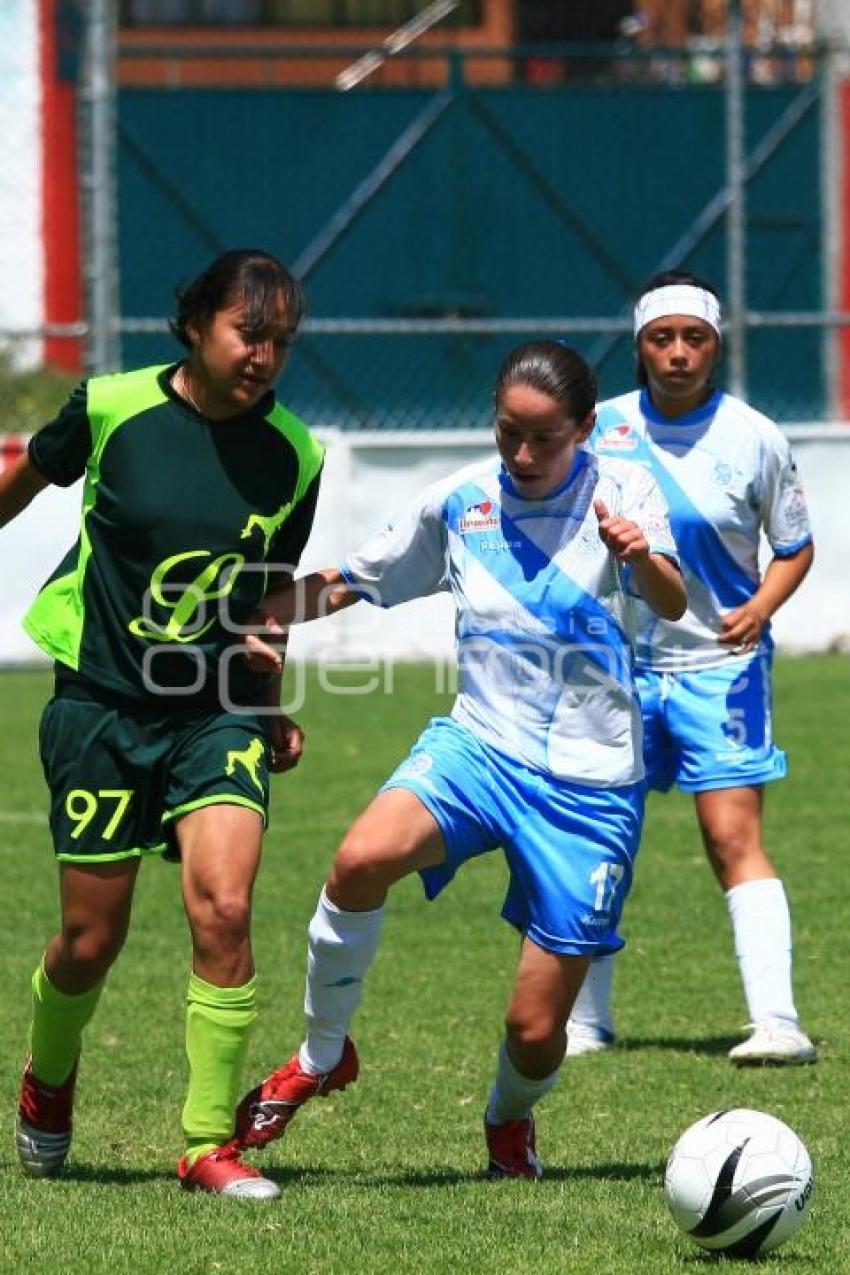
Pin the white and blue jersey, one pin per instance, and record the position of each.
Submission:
(542, 753)
(544, 618)
(727, 474)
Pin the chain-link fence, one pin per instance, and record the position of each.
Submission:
(437, 226)
(483, 197)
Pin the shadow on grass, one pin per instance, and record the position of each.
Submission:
(438, 1178)
(84, 1174)
(81, 1173)
(704, 1260)
(681, 1044)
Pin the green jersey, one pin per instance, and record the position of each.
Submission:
(182, 518)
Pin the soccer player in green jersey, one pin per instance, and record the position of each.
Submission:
(158, 739)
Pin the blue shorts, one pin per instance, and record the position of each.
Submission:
(711, 728)
(570, 848)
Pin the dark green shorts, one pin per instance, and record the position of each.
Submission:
(120, 773)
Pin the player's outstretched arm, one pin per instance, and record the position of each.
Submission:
(18, 485)
(310, 597)
(658, 578)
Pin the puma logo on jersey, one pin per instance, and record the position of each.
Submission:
(249, 758)
(268, 525)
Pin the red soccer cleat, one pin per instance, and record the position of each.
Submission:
(512, 1149)
(264, 1113)
(44, 1124)
(222, 1172)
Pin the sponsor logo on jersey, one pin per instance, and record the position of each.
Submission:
(621, 438)
(794, 508)
(183, 602)
(481, 517)
(491, 545)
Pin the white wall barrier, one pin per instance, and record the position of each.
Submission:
(370, 476)
(21, 254)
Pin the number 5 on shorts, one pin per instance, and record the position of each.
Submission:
(81, 806)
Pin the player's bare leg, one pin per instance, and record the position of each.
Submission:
(220, 849)
(394, 836)
(95, 902)
(530, 1056)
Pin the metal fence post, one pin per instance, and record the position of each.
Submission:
(736, 216)
(97, 134)
(832, 180)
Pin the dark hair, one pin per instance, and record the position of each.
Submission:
(241, 274)
(666, 279)
(555, 369)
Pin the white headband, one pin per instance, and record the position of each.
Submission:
(678, 298)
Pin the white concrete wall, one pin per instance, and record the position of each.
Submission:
(21, 257)
(367, 478)
(832, 20)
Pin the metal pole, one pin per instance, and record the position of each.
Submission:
(97, 129)
(832, 179)
(736, 216)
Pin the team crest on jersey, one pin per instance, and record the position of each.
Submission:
(415, 767)
(481, 517)
(621, 438)
(723, 473)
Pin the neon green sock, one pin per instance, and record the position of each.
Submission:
(218, 1022)
(57, 1027)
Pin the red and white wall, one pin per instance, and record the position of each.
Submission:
(40, 263)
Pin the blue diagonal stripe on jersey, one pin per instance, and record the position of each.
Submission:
(539, 585)
(700, 547)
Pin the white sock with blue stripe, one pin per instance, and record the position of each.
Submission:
(513, 1095)
(341, 947)
(761, 924)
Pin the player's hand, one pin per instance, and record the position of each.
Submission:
(621, 536)
(287, 743)
(742, 628)
(260, 654)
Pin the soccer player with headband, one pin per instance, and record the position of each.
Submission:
(705, 682)
(541, 754)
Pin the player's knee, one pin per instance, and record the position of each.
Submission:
(540, 1030)
(223, 915)
(92, 950)
(729, 845)
(360, 868)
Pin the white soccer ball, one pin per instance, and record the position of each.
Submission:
(739, 1182)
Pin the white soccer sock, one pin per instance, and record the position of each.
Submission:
(761, 924)
(592, 1007)
(513, 1095)
(341, 947)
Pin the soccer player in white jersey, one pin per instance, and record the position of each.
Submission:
(705, 684)
(539, 547)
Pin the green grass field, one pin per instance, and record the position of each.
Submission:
(387, 1177)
